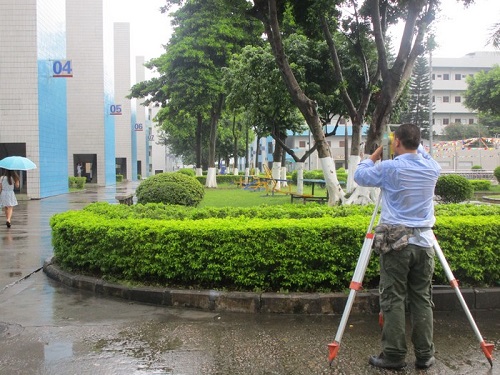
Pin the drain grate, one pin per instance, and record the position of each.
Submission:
(9, 330)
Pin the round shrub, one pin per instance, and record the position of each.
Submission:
(496, 173)
(187, 172)
(453, 188)
(477, 167)
(170, 188)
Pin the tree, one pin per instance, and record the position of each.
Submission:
(418, 104)
(206, 34)
(367, 26)
(494, 39)
(482, 95)
(482, 92)
(457, 131)
(254, 86)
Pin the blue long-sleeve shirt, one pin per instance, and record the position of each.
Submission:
(407, 183)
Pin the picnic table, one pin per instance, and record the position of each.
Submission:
(271, 183)
(310, 197)
(314, 182)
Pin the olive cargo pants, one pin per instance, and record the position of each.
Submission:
(407, 275)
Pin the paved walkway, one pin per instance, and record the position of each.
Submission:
(49, 328)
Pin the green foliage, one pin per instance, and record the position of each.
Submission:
(77, 182)
(187, 171)
(318, 175)
(170, 188)
(457, 131)
(480, 185)
(476, 167)
(418, 102)
(293, 247)
(158, 211)
(119, 178)
(496, 173)
(453, 188)
(482, 92)
(470, 244)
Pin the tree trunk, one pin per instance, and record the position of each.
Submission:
(267, 13)
(198, 136)
(211, 181)
(235, 147)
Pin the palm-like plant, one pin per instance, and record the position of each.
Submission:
(494, 39)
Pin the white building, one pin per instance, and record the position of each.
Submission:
(448, 87)
(55, 83)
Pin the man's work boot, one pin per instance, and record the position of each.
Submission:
(382, 362)
(425, 363)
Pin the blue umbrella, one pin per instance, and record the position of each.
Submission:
(17, 163)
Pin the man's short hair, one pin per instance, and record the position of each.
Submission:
(409, 135)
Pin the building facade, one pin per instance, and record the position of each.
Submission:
(449, 84)
(91, 127)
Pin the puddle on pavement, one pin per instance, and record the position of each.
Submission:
(57, 351)
(145, 343)
(9, 330)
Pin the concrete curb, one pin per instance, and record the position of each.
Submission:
(367, 302)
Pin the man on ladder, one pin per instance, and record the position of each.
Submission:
(404, 239)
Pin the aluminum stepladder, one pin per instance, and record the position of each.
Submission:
(359, 272)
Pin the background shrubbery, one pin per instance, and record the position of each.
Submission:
(77, 182)
(496, 173)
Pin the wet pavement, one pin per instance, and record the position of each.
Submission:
(48, 328)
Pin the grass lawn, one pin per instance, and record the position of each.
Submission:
(229, 195)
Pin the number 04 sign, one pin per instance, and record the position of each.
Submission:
(62, 69)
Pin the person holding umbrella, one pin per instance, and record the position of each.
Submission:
(9, 181)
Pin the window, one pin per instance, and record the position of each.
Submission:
(471, 121)
(269, 147)
(446, 99)
(446, 77)
(458, 77)
(446, 121)
(302, 144)
(458, 99)
(458, 121)
(433, 99)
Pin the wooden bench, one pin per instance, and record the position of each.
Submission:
(127, 199)
(308, 198)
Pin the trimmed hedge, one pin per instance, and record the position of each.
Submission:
(246, 249)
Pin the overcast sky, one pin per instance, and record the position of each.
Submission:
(458, 30)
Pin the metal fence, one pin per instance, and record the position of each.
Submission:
(478, 174)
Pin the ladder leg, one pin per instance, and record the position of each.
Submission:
(356, 284)
(487, 348)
